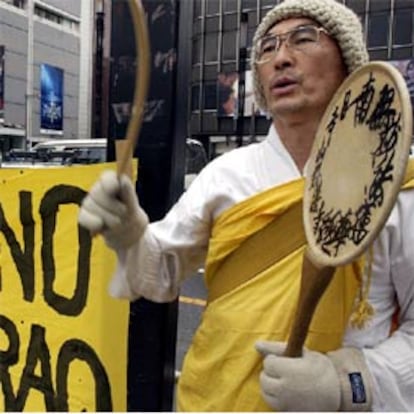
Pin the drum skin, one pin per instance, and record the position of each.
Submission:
(357, 164)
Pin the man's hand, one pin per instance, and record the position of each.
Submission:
(337, 381)
(112, 209)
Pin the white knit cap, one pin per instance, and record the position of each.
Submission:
(341, 23)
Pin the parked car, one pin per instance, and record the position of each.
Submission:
(57, 153)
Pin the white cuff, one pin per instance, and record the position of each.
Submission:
(118, 286)
(354, 378)
(140, 272)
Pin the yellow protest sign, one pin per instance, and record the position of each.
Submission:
(63, 340)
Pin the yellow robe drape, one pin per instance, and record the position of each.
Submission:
(221, 369)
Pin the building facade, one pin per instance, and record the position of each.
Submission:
(46, 59)
(222, 35)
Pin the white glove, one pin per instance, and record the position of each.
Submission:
(112, 209)
(336, 381)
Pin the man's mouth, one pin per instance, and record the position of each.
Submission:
(283, 85)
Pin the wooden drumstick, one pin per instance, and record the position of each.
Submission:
(315, 280)
(125, 147)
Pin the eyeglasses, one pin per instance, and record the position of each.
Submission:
(303, 38)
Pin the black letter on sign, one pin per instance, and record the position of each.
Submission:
(8, 358)
(38, 352)
(76, 349)
(24, 259)
(64, 194)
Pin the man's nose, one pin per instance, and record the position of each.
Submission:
(282, 56)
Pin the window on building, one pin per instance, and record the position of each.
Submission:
(378, 54)
(212, 7)
(211, 48)
(55, 17)
(210, 95)
(197, 27)
(403, 27)
(21, 4)
(406, 5)
(230, 22)
(251, 28)
(249, 5)
(229, 5)
(268, 3)
(229, 45)
(378, 29)
(358, 6)
(212, 24)
(195, 97)
(196, 55)
(401, 53)
(211, 39)
(379, 5)
(197, 8)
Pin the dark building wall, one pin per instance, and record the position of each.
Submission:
(160, 151)
(217, 40)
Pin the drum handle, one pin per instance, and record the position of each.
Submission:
(314, 281)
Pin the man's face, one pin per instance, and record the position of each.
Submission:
(299, 83)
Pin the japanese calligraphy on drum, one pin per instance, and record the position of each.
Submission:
(357, 163)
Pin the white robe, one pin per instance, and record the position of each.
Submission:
(172, 249)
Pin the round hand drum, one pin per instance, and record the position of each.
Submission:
(357, 164)
(355, 171)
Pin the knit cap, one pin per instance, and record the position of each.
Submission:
(340, 22)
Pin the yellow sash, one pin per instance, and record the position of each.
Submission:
(409, 176)
(221, 368)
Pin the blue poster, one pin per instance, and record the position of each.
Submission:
(51, 99)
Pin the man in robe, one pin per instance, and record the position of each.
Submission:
(302, 52)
